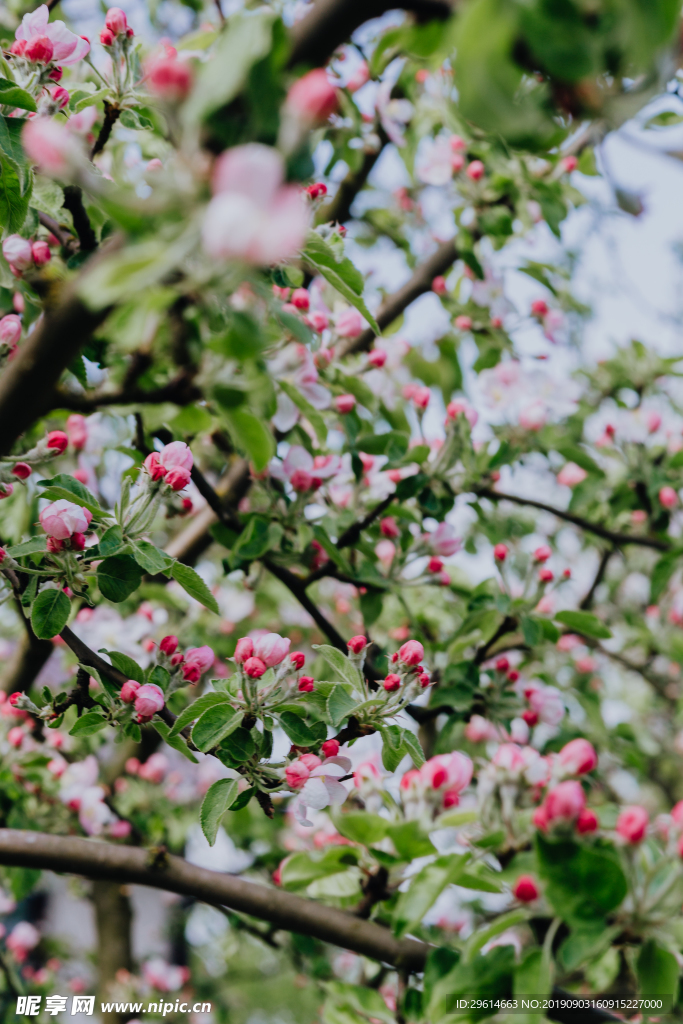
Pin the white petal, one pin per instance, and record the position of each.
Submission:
(315, 794)
(336, 792)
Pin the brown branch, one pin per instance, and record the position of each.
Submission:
(392, 307)
(350, 536)
(114, 921)
(585, 524)
(132, 865)
(73, 202)
(111, 115)
(338, 208)
(181, 391)
(89, 658)
(64, 237)
(587, 602)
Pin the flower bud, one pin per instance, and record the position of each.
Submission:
(272, 649)
(10, 330)
(545, 575)
(389, 528)
(61, 97)
(296, 774)
(392, 682)
(632, 824)
(565, 802)
(244, 650)
(668, 497)
(539, 307)
(475, 170)
(21, 470)
(500, 552)
(463, 323)
(106, 37)
(502, 665)
(542, 554)
(578, 757)
(169, 78)
(15, 697)
(129, 691)
(77, 541)
(17, 251)
(298, 659)
(41, 250)
(525, 889)
(116, 21)
(254, 668)
(39, 50)
(178, 478)
(357, 644)
(154, 467)
(587, 821)
(377, 357)
(148, 701)
(411, 653)
(57, 440)
(424, 680)
(345, 404)
(312, 98)
(177, 659)
(439, 285)
(301, 299)
(317, 190)
(306, 684)
(330, 748)
(169, 645)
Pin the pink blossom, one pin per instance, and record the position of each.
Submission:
(77, 429)
(271, 649)
(120, 829)
(546, 701)
(116, 21)
(17, 251)
(577, 757)
(392, 682)
(244, 650)
(357, 644)
(254, 668)
(63, 518)
(668, 497)
(67, 47)
(447, 771)
(479, 730)
(444, 541)
(169, 78)
(570, 475)
(253, 216)
(455, 409)
(389, 528)
(565, 802)
(197, 661)
(411, 653)
(377, 357)
(10, 330)
(169, 645)
(296, 774)
(148, 701)
(475, 170)
(23, 938)
(632, 824)
(525, 889)
(312, 97)
(322, 788)
(49, 146)
(349, 324)
(163, 976)
(386, 552)
(330, 748)
(533, 416)
(41, 253)
(154, 768)
(345, 404)
(500, 552)
(542, 553)
(129, 691)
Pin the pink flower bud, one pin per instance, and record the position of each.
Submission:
(301, 481)
(18, 47)
(312, 98)
(132, 765)
(177, 659)
(565, 802)
(455, 409)
(587, 821)
(377, 357)
(298, 659)
(421, 397)
(22, 470)
(345, 404)
(569, 164)
(463, 323)
(320, 323)
(530, 717)
(306, 684)
(545, 575)
(197, 661)
(154, 467)
(668, 497)
(434, 565)
(632, 824)
(244, 650)
(500, 552)
(457, 162)
(129, 691)
(106, 37)
(296, 774)
(542, 554)
(39, 50)
(424, 680)
(525, 889)
(120, 829)
(539, 307)
(392, 682)
(10, 330)
(116, 21)
(254, 668)
(439, 285)
(61, 98)
(169, 78)
(389, 528)
(330, 748)
(349, 324)
(58, 440)
(77, 541)
(411, 653)
(177, 478)
(15, 697)
(169, 645)
(578, 757)
(41, 250)
(272, 649)
(6, 490)
(317, 190)
(17, 251)
(475, 170)
(54, 545)
(301, 299)
(77, 429)
(654, 422)
(570, 475)
(357, 644)
(15, 737)
(149, 700)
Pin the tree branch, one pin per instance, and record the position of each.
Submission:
(73, 202)
(338, 208)
(111, 115)
(585, 524)
(181, 391)
(587, 602)
(351, 536)
(392, 307)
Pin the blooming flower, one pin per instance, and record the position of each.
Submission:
(570, 475)
(197, 661)
(63, 518)
(322, 788)
(271, 649)
(67, 47)
(253, 216)
(148, 700)
(444, 541)
(632, 824)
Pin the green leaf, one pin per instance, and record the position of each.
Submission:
(194, 585)
(243, 799)
(425, 887)
(342, 275)
(297, 730)
(393, 750)
(70, 488)
(362, 1001)
(34, 546)
(219, 798)
(340, 704)
(177, 742)
(346, 671)
(88, 724)
(304, 406)
(409, 841)
(239, 749)
(12, 95)
(661, 573)
(196, 709)
(128, 666)
(667, 119)
(50, 613)
(584, 623)
(150, 558)
(251, 435)
(412, 746)
(254, 540)
(658, 971)
(362, 827)
(118, 577)
(584, 883)
(215, 725)
(111, 541)
(532, 630)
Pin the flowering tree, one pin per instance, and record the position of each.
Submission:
(276, 579)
